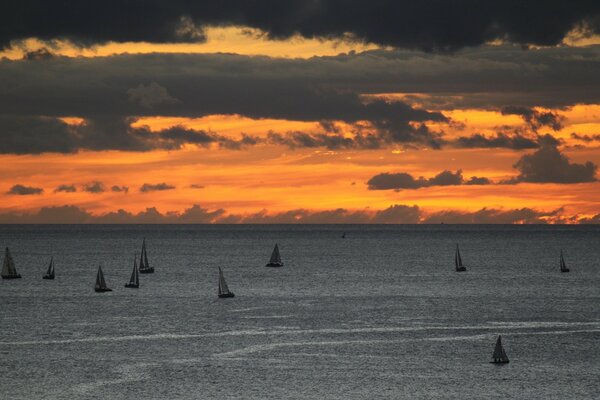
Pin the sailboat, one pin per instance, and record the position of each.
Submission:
(344, 235)
(100, 282)
(145, 267)
(563, 266)
(50, 272)
(275, 260)
(223, 288)
(8, 267)
(458, 261)
(499, 356)
(134, 281)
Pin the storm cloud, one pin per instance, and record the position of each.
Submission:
(427, 25)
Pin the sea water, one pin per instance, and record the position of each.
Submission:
(379, 314)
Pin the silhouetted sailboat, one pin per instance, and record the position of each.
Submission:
(134, 281)
(223, 288)
(344, 235)
(275, 260)
(50, 272)
(145, 267)
(499, 356)
(8, 267)
(563, 266)
(458, 261)
(100, 282)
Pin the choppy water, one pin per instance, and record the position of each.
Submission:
(380, 314)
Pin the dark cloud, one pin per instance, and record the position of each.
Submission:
(549, 165)
(515, 141)
(94, 187)
(427, 25)
(22, 190)
(66, 188)
(116, 188)
(196, 186)
(534, 118)
(148, 187)
(398, 214)
(402, 180)
(39, 54)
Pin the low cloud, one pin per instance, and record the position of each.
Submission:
(516, 141)
(148, 187)
(549, 165)
(94, 187)
(22, 190)
(395, 214)
(586, 138)
(150, 95)
(403, 180)
(65, 188)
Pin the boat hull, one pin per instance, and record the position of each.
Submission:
(48, 277)
(147, 270)
(274, 265)
(461, 269)
(226, 295)
(565, 270)
(132, 285)
(100, 290)
(499, 362)
(17, 276)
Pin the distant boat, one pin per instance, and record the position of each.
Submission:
(8, 267)
(458, 261)
(563, 266)
(50, 272)
(223, 288)
(145, 267)
(134, 281)
(100, 282)
(275, 260)
(499, 356)
(344, 235)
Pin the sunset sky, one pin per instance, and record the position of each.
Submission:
(322, 111)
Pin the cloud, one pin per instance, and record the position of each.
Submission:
(94, 187)
(147, 187)
(403, 180)
(586, 138)
(116, 188)
(492, 216)
(150, 95)
(534, 118)
(395, 214)
(196, 186)
(516, 141)
(549, 165)
(22, 190)
(66, 188)
(427, 25)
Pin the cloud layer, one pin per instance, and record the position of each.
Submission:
(428, 24)
(402, 180)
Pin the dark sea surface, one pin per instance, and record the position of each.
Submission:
(380, 314)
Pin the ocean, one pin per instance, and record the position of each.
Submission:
(380, 314)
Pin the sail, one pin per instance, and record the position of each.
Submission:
(142, 265)
(100, 282)
(563, 266)
(275, 257)
(457, 258)
(223, 289)
(499, 353)
(8, 266)
(50, 271)
(134, 274)
(146, 263)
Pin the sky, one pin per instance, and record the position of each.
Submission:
(312, 111)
